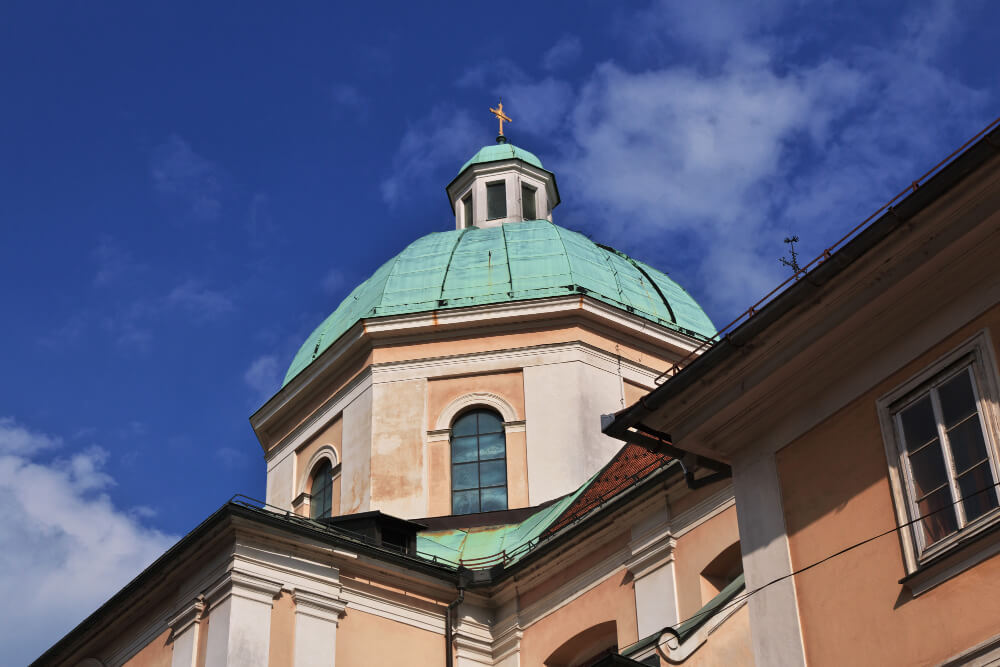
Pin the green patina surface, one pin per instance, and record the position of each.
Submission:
(502, 152)
(512, 262)
(455, 546)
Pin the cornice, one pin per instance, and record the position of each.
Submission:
(323, 607)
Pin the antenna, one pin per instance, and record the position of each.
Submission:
(792, 263)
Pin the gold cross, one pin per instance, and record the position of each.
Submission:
(501, 116)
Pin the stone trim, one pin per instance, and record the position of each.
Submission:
(319, 606)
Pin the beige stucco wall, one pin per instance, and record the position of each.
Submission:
(397, 465)
(156, 653)
(282, 644)
(366, 639)
(836, 493)
(332, 436)
(729, 644)
(696, 549)
(611, 600)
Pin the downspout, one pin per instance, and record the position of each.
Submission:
(448, 657)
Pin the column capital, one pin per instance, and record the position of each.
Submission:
(244, 585)
(188, 615)
(319, 606)
(651, 554)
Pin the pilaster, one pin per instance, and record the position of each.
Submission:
(317, 617)
(239, 607)
(185, 628)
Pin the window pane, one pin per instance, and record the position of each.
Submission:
(464, 476)
(927, 469)
(967, 445)
(939, 515)
(466, 425)
(467, 211)
(957, 399)
(918, 423)
(490, 422)
(491, 446)
(978, 494)
(496, 201)
(463, 449)
(493, 473)
(494, 499)
(528, 202)
(464, 502)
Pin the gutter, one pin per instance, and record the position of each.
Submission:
(627, 424)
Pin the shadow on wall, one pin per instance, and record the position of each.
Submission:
(586, 647)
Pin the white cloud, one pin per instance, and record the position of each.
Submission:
(188, 180)
(113, 261)
(67, 547)
(350, 99)
(264, 376)
(564, 52)
(707, 163)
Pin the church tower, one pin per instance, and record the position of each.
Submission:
(466, 375)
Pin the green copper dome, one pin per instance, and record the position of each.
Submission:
(499, 152)
(511, 262)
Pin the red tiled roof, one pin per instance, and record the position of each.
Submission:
(631, 464)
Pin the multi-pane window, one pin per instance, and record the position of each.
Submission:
(467, 210)
(947, 456)
(321, 492)
(496, 200)
(528, 202)
(478, 463)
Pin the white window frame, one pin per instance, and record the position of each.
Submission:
(975, 353)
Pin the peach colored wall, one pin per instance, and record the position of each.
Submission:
(634, 392)
(366, 639)
(397, 464)
(333, 435)
(156, 653)
(696, 549)
(282, 647)
(440, 393)
(572, 567)
(835, 490)
(729, 644)
(293, 416)
(462, 343)
(611, 600)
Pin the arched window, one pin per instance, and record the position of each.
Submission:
(478, 463)
(321, 492)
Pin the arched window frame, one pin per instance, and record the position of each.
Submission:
(304, 499)
(441, 433)
(479, 462)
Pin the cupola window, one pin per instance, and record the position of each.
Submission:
(478, 463)
(321, 492)
(467, 210)
(496, 200)
(528, 202)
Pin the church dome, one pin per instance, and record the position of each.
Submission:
(510, 262)
(502, 151)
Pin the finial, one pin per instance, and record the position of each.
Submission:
(501, 116)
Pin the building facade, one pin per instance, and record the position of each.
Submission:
(439, 490)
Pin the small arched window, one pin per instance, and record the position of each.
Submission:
(478, 463)
(321, 492)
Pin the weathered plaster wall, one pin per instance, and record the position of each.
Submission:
(397, 465)
(728, 645)
(836, 493)
(563, 405)
(366, 639)
(355, 472)
(156, 653)
(696, 549)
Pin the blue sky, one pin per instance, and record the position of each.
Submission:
(187, 189)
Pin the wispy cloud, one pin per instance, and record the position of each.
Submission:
(263, 377)
(113, 261)
(564, 52)
(187, 180)
(67, 547)
(200, 301)
(351, 100)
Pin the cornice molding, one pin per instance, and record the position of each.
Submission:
(316, 605)
(190, 614)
